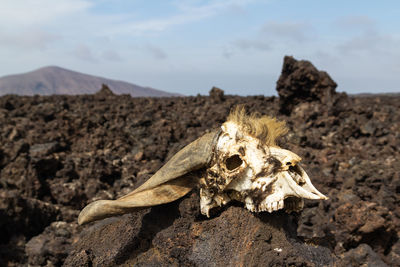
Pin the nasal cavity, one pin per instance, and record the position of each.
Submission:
(233, 162)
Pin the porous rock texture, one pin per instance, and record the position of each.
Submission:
(301, 82)
(59, 153)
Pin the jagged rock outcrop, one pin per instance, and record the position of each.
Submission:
(217, 94)
(301, 82)
(105, 91)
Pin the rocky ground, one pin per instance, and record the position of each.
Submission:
(59, 153)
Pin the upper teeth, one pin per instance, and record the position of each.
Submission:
(264, 206)
(271, 206)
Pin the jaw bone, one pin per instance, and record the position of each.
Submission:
(282, 192)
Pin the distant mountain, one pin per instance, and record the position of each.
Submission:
(55, 80)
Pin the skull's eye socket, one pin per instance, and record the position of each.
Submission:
(233, 162)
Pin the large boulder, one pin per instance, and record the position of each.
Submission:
(300, 82)
(176, 234)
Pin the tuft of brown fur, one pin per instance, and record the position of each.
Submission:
(267, 129)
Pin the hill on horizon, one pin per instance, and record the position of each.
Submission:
(59, 81)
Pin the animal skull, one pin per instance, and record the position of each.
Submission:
(241, 161)
(264, 178)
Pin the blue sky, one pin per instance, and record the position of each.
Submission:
(189, 46)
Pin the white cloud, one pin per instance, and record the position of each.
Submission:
(273, 35)
(369, 39)
(78, 15)
(360, 56)
(188, 12)
(33, 38)
(38, 12)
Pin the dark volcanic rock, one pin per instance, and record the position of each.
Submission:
(217, 94)
(105, 91)
(38, 150)
(53, 245)
(365, 222)
(363, 255)
(58, 153)
(300, 81)
(20, 219)
(162, 236)
(26, 216)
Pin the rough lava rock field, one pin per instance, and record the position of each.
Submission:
(59, 153)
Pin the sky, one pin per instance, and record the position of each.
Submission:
(189, 46)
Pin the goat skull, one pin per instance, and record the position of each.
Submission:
(239, 162)
(265, 178)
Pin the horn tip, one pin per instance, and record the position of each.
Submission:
(95, 211)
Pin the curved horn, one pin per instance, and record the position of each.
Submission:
(162, 187)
